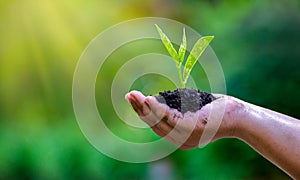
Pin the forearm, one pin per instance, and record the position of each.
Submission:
(273, 135)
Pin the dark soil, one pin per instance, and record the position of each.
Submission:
(185, 100)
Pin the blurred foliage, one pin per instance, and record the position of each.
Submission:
(270, 75)
(257, 43)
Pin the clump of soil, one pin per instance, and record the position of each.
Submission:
(185, 100)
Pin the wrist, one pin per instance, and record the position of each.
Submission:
(241, 117)
(236, 112)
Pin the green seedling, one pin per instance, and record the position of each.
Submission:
(178, 57)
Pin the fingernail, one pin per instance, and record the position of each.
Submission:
(127, 97)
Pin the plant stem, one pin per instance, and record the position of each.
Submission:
(178, 66)
(185, 80)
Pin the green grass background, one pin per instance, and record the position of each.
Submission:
(257, 43)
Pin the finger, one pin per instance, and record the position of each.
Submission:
(173, 138)
(173, 117)
(157, 108)
(158, 131)
(165, 136)
(172, 134)
(186, 128)
(147, 116)
(139, 98)
(164, 127)
(186, 122)
(150, 119)
(135, 106)
(137, 101)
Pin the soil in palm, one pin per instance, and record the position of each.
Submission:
(185, 100)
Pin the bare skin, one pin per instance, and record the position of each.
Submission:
(275, 136)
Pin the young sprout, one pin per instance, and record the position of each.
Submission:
(178, 57)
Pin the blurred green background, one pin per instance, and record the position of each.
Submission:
(257, 43)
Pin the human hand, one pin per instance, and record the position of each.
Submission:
(272, 134)
(213, 121)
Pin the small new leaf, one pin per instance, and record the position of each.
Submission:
(167, 44)
(182, 48)
(196, 52)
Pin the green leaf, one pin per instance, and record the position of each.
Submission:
(182, 48)
(167, 44)
(196, 52)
